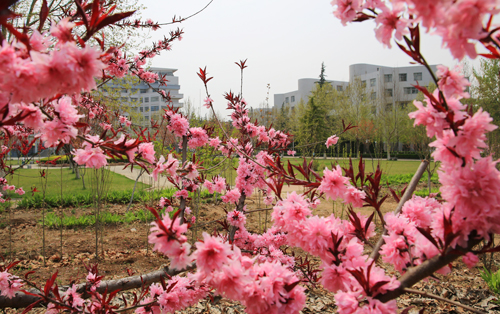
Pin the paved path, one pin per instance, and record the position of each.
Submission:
(145, 178)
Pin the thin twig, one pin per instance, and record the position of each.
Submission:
(433, 296)
(406, 196)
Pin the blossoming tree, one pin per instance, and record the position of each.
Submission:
(45, 80)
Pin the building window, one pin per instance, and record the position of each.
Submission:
(155, 108)
(402, 77)
(133, 90)
(374, 95)
(388, 107)
(146, 109)
(363, 84)
(144, 91)
(141, 109)
(374, 110)
(293, 98)
(124, 99)
(373, 81)
(286, 100)
(417, 76)
(146, 118)
(134, 100)
(388, 92)
(146, 99)
(124, 90)
(163, 107)
(410, 90)
(387, 78)
(156, 98)
(339, 88)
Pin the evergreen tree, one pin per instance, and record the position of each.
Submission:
(322, 75)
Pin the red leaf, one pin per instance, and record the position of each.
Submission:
(44, 12)
(112, 19)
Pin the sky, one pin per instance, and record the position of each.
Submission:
(283, 41)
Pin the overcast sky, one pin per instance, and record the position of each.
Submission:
(282, 40)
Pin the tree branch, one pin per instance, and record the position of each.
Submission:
(21, 300)
(426, 269)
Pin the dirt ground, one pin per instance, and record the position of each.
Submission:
(125, 251)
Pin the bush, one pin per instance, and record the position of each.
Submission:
(492, 279)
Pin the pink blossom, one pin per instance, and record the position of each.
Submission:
(62, 30)
(214, 142)
(20, 191)
(452, 83)
(347, 302)
(172, 165)
(470, 259)
(181, 193)
(231, 196)
(220, 184)
(211, 253)
(236, 218)
(178, 125)
(9, 284)
(198, 138)
(147, 151)
(333, 183)
(163, 202)
(207, 103)
(346, 9)
(354, 196)
(210, 186)
(291, 152)
(428, 116)
(332, 140)
(388, 21)
(91, 157)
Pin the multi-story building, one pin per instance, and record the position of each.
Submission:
(305, 87)
(385, 85)
(391, 86)
(145, 100)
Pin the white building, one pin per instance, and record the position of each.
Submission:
(306, 85)
(390, 85)
(145, 99)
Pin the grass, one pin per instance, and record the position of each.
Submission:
(28, 178)
(71, 221)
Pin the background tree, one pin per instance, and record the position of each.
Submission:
(487, 95)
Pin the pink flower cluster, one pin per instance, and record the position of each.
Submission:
(467, 178)
(177, 124)
(459, 23)
(180, 293)
(168, 237)
(262, 288)
(405, 246)
(9, 284)
(170, 166)
(335, 186)
(218, 185)
(333, 240)
(198, 137)
(28, 74)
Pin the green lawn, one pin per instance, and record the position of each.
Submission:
(27, 178)
(389, 168)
